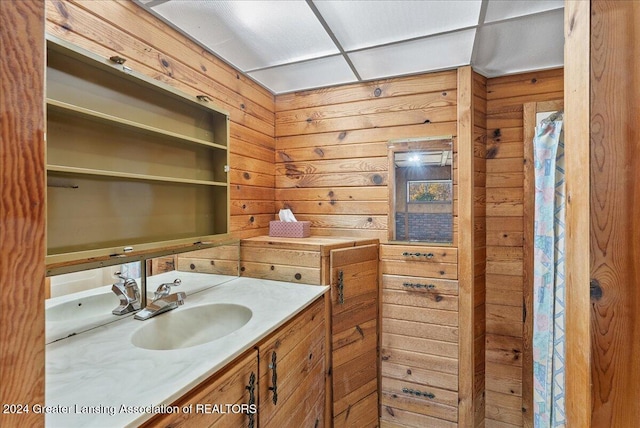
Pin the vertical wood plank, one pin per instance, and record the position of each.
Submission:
(466, 379)
(576, 95)
(22, 208)
(615, 213)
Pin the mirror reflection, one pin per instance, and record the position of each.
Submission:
(421, 191)
(83, 300)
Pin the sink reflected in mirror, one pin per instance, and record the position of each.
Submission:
(189, 327)
(82, 307)
(83, 300)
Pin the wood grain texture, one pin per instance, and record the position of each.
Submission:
(615, 222)
(506, 208)
(22, 204)
(577, 129)
(331, 147)
(154, 49)
(466, 246)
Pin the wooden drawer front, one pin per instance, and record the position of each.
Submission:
(420, 299)
(421, 361)
(432, 262)
(299, 349)
(431, 286)
(227, 387)
(426, 400)
(281, 264)
(420, 315)
(418, 253)
(280, 256)
(418, 375)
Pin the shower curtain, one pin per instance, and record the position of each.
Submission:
(549, 278)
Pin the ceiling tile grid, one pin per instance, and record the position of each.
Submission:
(293, 45)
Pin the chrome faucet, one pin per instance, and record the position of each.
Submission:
(163, 301)
(128, 292)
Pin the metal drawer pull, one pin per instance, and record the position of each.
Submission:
(274, 377)
(417, 285)
(341, 287)
(252, 399)
(418, 393)
(427, 255)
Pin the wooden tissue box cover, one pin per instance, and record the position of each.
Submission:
(293, 229)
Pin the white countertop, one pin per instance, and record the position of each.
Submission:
(95, 376)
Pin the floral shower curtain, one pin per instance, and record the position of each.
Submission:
(549, 278)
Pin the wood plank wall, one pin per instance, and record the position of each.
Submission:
(615, 213)
(504, 222)
(331, 147)
(153, 48)
(480, 243)
(22, 212)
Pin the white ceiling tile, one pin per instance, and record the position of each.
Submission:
(252, 34)
(432, 53)
(305, 75)
(528, 43)
(504, 9)
(361, 24)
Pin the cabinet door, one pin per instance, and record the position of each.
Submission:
(354, 297)
(292, 368)
(228, 399)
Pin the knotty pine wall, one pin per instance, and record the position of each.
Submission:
(504, 222)
(480, 243)
(151, 47)
(331, 147)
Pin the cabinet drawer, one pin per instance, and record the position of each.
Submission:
(418, 360)
(395, 417)
(415, 284)
(421, 376)
(418, 253)
(432, 262)
(303, 275)
(426, 400)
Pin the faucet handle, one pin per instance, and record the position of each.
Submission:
(164, 290)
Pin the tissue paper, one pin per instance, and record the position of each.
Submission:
(286, 215)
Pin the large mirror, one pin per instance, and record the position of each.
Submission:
(82, 300)
(421, 191)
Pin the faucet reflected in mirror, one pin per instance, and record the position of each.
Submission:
(129, 294)
(82, 300)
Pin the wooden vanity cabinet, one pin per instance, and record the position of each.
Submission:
(350, 267)
(292, 372)
(236, 384)
(419, 349)
(283, 376)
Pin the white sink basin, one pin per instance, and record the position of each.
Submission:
(83, 307)
(188, 327)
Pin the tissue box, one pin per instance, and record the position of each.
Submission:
(292, 229)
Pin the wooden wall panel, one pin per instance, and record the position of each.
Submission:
(22, 211)
(331, 147)
(153, 48)
(504, 224)
(480, 210)
(615, 214)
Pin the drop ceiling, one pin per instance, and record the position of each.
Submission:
(292, 45)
